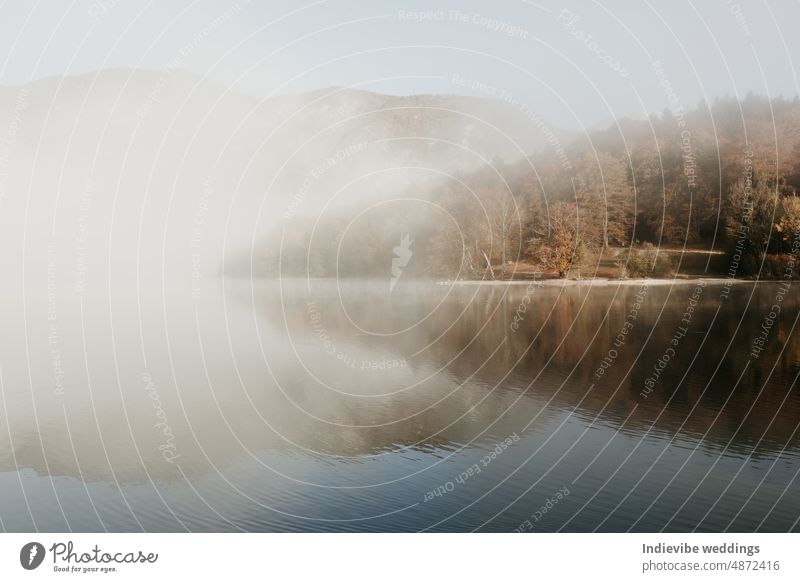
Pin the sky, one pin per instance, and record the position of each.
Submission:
(579, 64)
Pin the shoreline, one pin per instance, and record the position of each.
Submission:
(603, 282)
(589, 282)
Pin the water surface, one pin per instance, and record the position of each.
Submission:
(342, 406)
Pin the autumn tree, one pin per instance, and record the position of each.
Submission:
(788, 224)
(604, 192)
(561, 247)
(750, 211)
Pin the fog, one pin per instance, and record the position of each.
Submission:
(151, 176)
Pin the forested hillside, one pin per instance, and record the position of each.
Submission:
(720, 177)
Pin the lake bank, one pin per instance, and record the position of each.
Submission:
(604, 282)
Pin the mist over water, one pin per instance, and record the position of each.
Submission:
(346, 407)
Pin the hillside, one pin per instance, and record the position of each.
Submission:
(720, 178)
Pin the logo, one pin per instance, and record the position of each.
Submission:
(31, 555)
(402, 254)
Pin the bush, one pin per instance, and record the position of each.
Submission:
(645, 261)
(779, 266)
(564, 249)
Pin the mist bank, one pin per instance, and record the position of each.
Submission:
(162, 177)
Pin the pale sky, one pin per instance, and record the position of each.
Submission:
(538, 54)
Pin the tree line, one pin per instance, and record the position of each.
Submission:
(723, 176)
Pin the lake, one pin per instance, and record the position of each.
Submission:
(328, 405)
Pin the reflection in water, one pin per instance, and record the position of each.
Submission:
(295, 405)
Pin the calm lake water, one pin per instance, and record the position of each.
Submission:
(325, 406)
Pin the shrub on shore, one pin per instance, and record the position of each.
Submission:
(645, 261)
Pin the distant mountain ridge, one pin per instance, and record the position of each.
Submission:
(443, 132)
(129, 151)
